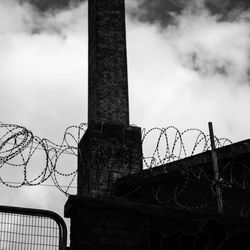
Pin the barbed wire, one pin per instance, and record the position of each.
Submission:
(18, 146)
(190, 185)
(165, 152)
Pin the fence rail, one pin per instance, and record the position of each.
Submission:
(31, 229)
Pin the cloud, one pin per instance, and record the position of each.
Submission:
(193, 70)
(51, 5)
(208, 46)
(163, 12)
(43, 74)
(43, 66)
(24, 18)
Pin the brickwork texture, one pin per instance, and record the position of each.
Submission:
(108, 84)
(106, 153)
(110, 147)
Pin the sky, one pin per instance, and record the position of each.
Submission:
(188, 64)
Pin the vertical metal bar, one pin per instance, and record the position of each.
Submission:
(9, 219)
(15, 231)
(21, 231)
(3, 231)
(43, 231)
(38, 233)
(216, 170)
(49, 232)
(31, 242)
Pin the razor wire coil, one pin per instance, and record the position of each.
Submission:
(18, 146)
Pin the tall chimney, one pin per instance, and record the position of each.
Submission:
(108, 81)
(110, 148)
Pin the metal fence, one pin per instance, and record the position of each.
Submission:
(31, 229)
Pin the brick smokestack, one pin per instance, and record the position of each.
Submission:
(108, 82)
(110, 148)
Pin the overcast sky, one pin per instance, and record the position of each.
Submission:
(188, 64)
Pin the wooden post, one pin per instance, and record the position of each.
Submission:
(216, 170)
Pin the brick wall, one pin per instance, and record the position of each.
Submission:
(109, 224)
(106, 153)
(108, 84)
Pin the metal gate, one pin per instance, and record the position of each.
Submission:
(31, 229)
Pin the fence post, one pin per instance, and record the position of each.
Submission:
(216, 170)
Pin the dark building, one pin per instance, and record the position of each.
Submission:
(121, 206)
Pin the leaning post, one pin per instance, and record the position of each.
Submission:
(218, 190)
